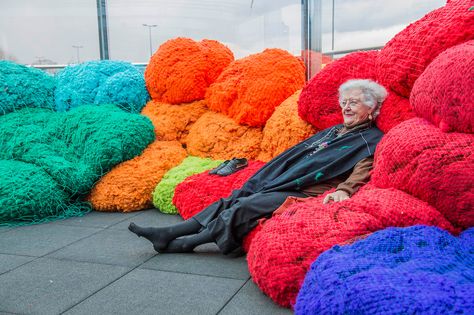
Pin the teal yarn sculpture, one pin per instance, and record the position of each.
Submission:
(21, 87)
(101, 82)
(164, 191)
(75, 149)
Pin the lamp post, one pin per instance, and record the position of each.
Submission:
(149, 35)
(77, 51)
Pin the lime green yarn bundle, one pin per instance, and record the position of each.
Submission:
(164, 191)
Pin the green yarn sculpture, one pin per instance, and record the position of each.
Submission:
(164, 191)
(72, 150)
(22, 87)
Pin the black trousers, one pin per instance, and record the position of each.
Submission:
(229, 219)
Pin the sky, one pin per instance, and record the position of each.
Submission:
(33, 31)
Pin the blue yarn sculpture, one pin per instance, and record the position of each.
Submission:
(415, 270)
(24, 87)
(101, 82)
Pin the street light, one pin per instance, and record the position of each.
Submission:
(149, 35)
(77, 51)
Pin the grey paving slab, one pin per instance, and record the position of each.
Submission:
(150, 217)
(206, 260)
(97, 219)
(156, 292)
(109, 247)
(4, 229)
(250, 300)
(9, 262)
(48, 286)
(41, 239)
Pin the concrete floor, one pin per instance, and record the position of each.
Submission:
(94, 265)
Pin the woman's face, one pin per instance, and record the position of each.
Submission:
(354, 111)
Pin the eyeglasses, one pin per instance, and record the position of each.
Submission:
(353, 103)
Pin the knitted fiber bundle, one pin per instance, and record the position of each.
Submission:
(443, 93)
(219, 137)
(181, 70)
(436, 167)
(283, 250)
(395, 109)
(405, 57)
(198, 191)
(284, 129)
(129, 186)
(319, 100)
(101, 82)
(24, 87)
(76, 148)
(164, 191)
(414, 270)
(173, 122)
(24, 203)
(249, 89)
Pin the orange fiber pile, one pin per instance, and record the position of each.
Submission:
(182, 69)
(284, 129)
(129, 186)
(173, 122)
(249, 89)
(218, 137)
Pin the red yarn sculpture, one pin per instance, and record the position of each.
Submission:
(395, 109)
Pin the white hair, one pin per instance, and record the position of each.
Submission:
(374, 94)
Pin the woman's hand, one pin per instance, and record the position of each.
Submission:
(338, 195)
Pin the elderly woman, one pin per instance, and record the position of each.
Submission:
(339, 157)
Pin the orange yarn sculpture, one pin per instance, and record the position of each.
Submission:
(181, 69)
(284, 129)
(249, 89)
(129, 186)
(217, 136)
(173, 122)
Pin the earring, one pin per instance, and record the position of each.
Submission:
(370, 117)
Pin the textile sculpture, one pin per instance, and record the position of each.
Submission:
(414, 270)
(283, 250)
(182, 69)
(217, 136)
(173, 122)
(66, 151)
(249, 89)
(284, 129)
(101, 82)
(24, 87)
(395, 109)
(443, 93)
(164, 191)
(129, 186)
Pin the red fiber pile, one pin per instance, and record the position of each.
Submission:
(284, 129)
(405, 57)
(282, 252)
(319, 100)
(198, 191)
(395, 109)
(444, 93)
(249, 89)
(181, 69)
(434, 166)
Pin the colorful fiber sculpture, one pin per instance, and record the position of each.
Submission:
(281, 253)
(198, 191)
(405, 57)
(164, 191)
(24, 87)
(128, 187)
(443, 93)
(319, 100)
(181, 70)
(284, 129)
(101, 82)
(249, 89)
(217, 136)
(434, 166)
(395, 109)
(173, 122)
(73, 149)
(415, 270)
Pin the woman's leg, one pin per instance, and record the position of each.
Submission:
(187, 244)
